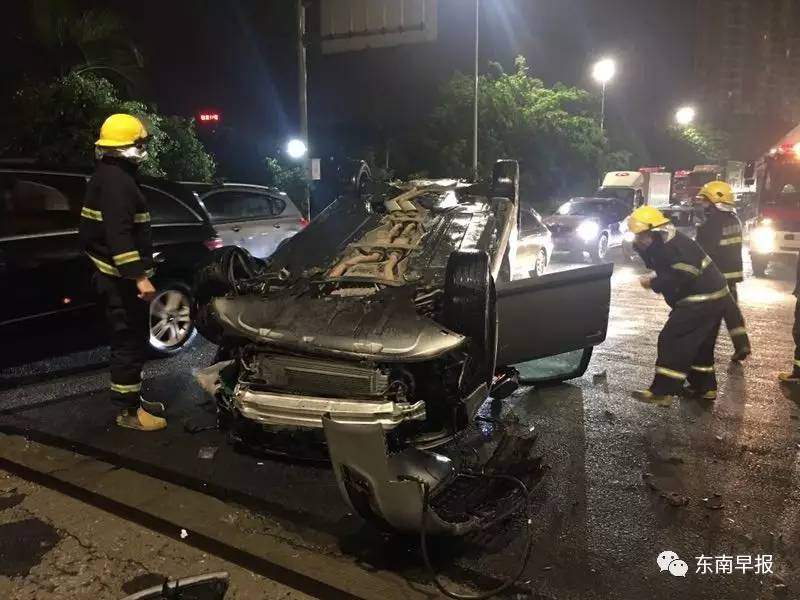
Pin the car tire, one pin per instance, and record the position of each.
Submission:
(600, 251)
(470, 309)
(540, 265)
(172, 327)
(760, 265)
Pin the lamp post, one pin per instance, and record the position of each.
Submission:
(475, 107)
(603, 72)
(685, 116)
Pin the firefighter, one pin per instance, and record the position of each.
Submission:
(697, 293)
(115, 234)
(794, 376)
(720, 236)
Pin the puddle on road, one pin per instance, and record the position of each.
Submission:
(23, 544)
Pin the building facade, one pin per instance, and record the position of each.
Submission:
(748, 57)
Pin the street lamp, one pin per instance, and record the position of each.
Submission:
(296, 149)
(685, 116)
(603, 72)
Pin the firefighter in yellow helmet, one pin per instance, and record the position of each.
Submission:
(697, 293)
(115, 234)
(720, 235)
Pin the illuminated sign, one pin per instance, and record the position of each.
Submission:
(209, 117)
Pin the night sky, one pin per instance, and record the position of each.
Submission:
(237, 56)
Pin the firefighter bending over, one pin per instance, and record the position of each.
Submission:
(115, 234)
(720, 236)
(697, 293)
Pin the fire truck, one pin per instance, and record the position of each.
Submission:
(775, 228)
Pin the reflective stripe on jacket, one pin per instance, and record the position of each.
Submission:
(115, 222)
(721, 238)
(684, 274)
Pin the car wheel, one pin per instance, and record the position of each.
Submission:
(600, 251)
(760, 264)
(540, 265)
(469, 309)
(171, 324)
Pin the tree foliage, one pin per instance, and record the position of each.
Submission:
(57, 123)
(90, 41)
(287, 177)
(554, 131)
(704, 144)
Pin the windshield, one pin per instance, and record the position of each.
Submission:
(782, 186)
(624, 194)
(583, 208)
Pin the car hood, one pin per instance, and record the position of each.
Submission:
(385, 329)
(567, 222)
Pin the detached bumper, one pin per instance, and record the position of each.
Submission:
(306, 412)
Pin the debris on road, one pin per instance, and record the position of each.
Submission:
(600, 377)
(207, 452)
(184, 534)
(719, 438)
(714, 502)
(675, 499)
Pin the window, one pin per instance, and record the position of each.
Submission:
(240, 206)
(531, 223)
(166, 209)
(32, 203)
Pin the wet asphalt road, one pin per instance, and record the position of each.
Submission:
(604, 513)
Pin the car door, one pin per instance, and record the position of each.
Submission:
(251, 219)
(548, 326)
(42, 269)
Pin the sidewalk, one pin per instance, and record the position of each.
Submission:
(53, 547)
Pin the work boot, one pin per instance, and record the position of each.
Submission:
(710, 395)
(741, 354)
(649, 397)
(792, 378)
(138, 418)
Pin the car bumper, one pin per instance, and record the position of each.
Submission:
(306, 412)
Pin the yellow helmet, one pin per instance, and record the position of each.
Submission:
(121, 130)
(717, 192)
(646, 218)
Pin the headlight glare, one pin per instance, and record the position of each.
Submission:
(588, 230)
(763, 239)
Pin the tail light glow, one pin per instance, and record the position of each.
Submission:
(214, 243)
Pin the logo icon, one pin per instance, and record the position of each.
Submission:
(669, 561)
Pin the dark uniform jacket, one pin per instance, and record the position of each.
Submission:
(115, 222)
(685, 275)
(721, 237)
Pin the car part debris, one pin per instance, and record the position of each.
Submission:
(213, 586)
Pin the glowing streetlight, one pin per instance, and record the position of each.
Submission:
(603, 72)
(685, 116)
(296, 148)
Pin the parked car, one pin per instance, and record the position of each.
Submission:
(253, 217)
(534, 247)
(44, 273)
(589, 225)
(380, 324)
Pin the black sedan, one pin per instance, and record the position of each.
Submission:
(588, 225)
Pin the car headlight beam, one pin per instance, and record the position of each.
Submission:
(763, 239)
(588, 231)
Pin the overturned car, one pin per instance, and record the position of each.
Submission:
(387, 323)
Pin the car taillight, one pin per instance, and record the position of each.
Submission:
(214, 243)
(304, 221)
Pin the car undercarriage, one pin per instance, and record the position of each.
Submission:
(375, 331)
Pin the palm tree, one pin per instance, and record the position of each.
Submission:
(92, 41)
